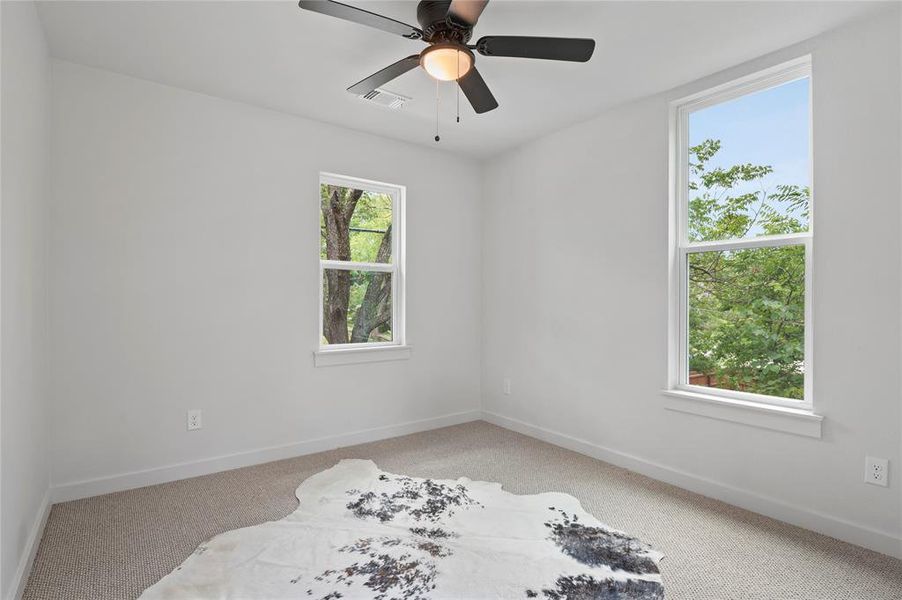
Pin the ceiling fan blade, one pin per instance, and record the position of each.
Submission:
(466, 12)
(572, 49)
(477, 92)
(363, 17)
(382, 77)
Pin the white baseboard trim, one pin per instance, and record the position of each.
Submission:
(126, 481)
(836, 527)
(816, 521)
(20, 578)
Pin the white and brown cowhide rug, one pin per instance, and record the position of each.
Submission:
(363, 533)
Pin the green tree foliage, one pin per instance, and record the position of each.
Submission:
(746, 307)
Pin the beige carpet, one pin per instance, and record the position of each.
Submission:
(114, 546)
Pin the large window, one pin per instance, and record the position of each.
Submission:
(361, 264)
(742, 239)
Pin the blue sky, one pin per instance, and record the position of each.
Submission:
(770, 127)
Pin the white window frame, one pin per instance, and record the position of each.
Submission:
(328, 354)
(681, 247)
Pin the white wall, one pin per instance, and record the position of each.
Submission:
(24, 102)
(575, 301)
(185, 245)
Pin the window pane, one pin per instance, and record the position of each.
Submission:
(749, 165)
(356, 307)
(747, 320)
(355, 225)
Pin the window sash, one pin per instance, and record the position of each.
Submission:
(682, 382)
(681, 247)
(793, 70)
(396, 267)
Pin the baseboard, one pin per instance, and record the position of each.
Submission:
(841, 529)
(20, 578)
(126, 481)
(771, 507)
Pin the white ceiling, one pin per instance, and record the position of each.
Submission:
(274, 55)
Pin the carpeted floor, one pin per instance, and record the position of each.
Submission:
(114, 546)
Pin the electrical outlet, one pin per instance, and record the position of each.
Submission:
(875, 470)
(194, 419)
(506, 386)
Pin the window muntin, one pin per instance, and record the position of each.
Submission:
(742, 239)
(361, 263)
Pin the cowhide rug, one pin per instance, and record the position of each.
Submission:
(363, 533)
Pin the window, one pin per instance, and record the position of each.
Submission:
(742, 240)
(361, 264)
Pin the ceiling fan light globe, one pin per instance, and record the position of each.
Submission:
(446, 62)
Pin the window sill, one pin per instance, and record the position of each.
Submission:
(778, 418)
(348, 356)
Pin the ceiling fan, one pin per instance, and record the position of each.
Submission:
(447, 25)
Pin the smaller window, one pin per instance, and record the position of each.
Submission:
(361, 263)
(742, 240)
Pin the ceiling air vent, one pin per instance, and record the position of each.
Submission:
(385, 98)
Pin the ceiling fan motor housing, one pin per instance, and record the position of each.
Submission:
(438, 26)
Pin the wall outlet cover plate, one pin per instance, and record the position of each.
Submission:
(876, 470)
(194, 420)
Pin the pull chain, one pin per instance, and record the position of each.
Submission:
(457, 81)
(437, 138)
